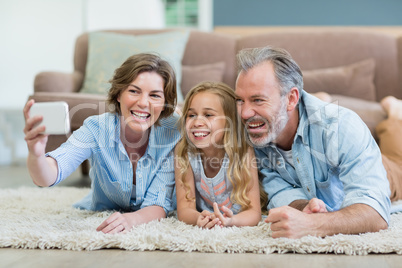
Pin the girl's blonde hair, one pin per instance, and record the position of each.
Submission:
(234, 142)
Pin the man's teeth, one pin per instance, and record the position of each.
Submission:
(140, 115)
(200, 134)
(254, 125)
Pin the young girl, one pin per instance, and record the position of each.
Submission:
(215, 170)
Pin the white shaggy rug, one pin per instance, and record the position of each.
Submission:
(44, 218)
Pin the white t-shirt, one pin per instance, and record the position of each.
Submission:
(287, 155)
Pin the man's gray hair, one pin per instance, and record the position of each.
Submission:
(286, 69)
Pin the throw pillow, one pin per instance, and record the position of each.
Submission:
(192, 75)
(107, 51)
(371, 112)
(355, 80)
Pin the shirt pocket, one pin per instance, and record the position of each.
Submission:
(112, 190)
(331, 190)
(109, 182)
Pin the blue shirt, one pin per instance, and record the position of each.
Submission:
(111, 170)
(335, 158)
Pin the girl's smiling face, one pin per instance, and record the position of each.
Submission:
(206, 121)
(142, 102)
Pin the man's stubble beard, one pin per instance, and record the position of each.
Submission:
(279, 122)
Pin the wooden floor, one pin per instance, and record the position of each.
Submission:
(16, 176)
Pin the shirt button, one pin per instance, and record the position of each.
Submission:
(297, 160)
(278, 163)
(308, 189)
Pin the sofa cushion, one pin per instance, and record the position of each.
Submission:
(370, 112)
(192, 75)
(107, 51)
(354, 80)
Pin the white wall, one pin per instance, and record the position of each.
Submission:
(123, 14)
(205, 18)
(38, 35)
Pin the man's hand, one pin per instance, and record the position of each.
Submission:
(207, 220)
(226, 218)
(355, 219)
(315, 205)
(290, 222)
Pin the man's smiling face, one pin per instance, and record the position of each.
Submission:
(260, 104)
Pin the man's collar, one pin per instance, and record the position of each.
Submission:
(302, 129)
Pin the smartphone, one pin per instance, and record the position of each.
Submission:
(55, 116)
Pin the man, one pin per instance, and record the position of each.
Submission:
(320, 166)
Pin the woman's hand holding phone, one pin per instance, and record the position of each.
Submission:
(43, 119)
(43, 169)
(34, 137)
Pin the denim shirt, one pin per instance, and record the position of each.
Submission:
(335, 157)
(111, 170)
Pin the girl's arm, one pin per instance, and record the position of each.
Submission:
(186, 209)
(252, 215)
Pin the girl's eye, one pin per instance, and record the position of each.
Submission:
(134, 91)
(156, 96)
(208, 115)
(191, 115)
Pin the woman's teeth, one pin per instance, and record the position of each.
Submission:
(140, 115)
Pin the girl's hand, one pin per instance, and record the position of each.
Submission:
(315, 205)
(226, 218)
(207, 220)
(36, 141)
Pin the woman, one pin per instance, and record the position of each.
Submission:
(130, 149)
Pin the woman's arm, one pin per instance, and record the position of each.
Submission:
(119, 222)
(42, 169)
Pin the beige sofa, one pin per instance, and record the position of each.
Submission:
(358, 67)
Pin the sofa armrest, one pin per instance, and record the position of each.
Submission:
(58, 82)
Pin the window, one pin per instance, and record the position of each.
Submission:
(181, 13)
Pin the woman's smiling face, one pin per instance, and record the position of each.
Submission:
(142, 102)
